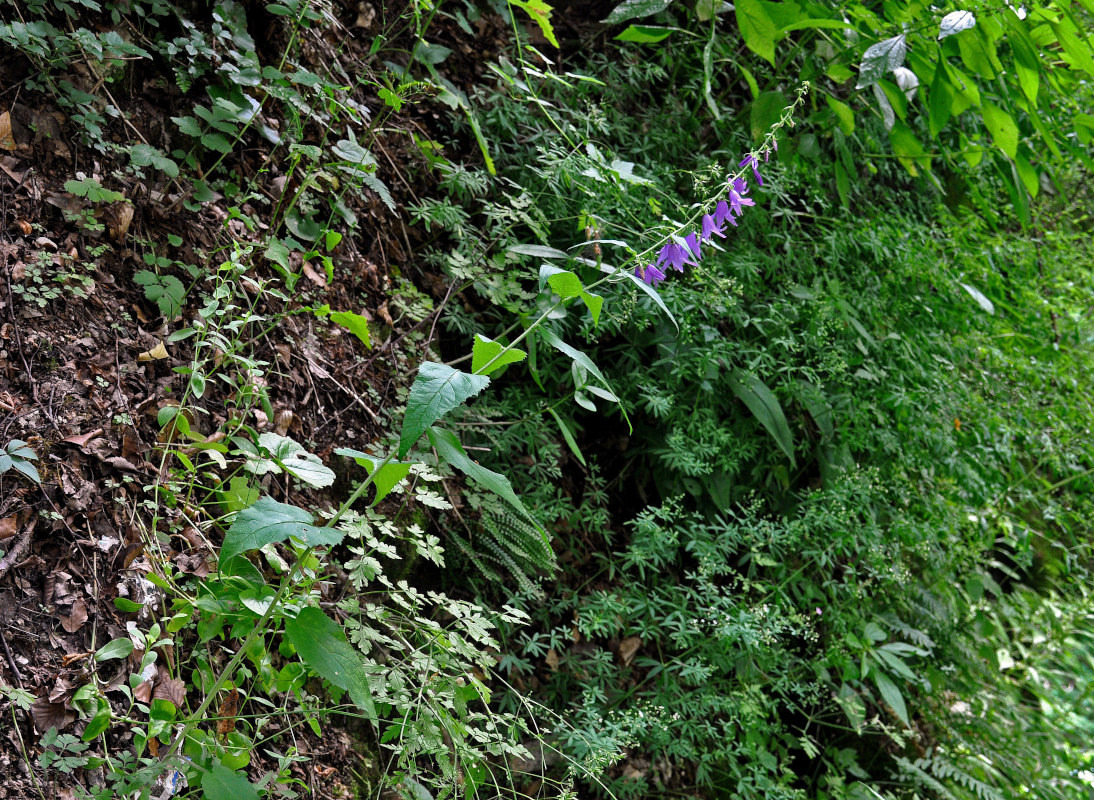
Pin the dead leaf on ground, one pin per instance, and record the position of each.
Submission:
(552, 659)
(156, 353)
(227, 713)
(314, 277)
(83, 438)
(627, 648)
(118, 218)
(8, 527)
(48, 715)
(7, 141)
(74, 621)
(8, 164)
(168, 688)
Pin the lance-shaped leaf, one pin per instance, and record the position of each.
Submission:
(645, 287)
(484, 352)
(386, 479)
(538, 250)
(268, 521)
(221, 783)
(437, 390)
(450, 450)
(881, 57)
(765, 407)
(584, 361)
(891, 695)
(321, 644)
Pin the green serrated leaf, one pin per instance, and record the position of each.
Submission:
(436, 390)
(166, 291)
(757, 29)
(221, 783)
(765, 407)
(484, 351)
(562, 282)
(357, 325)
(268, 521)
(386, 479)
(290, 456)
(321, 644)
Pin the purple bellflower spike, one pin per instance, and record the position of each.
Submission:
(723, 214)
(651, 274)
(750, 161)
(737, 200)
(712, 228)
(675, 255)
(692, 241)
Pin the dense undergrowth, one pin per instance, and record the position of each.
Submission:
(808, 518)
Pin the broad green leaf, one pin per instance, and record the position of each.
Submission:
(99, 723)
(757, 29)
(955, 22)
(437, 390)
(221, 783)
(939, 102)
(298, 462)
(635, 9)
(1077, 51)
(802, 24)
(765, 407)
(843, 113)
(238, 495)
(166, 291)
(539, 11)
(321, 644)
(644, 34)
(1028, 173)
(386, 479)
(484, 351)
(268, 521)
(880, 58)
(116, 648)
(979, 297)
(562, 282)
(537, 250)
(594, 302)
(568, 436)
(357, 325)
(891, 695)
(1003, 130)
(908, 149)
(451, 451)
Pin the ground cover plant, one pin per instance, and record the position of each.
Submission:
(502, 400)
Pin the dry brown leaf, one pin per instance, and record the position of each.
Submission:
(552, 660)
(627, 648)
(143, 692)
(119, 217)
(168, 688)
(84, 438)
(227, 713)
(48, 715)
(24, 226)
(74, 621)
(156, 353)
(8, 527)
(8, 164)
(7, 141)
(313, 276)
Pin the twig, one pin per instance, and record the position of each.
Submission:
(11, 660)
(18, 549)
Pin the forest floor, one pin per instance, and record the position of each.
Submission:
(87, 368)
